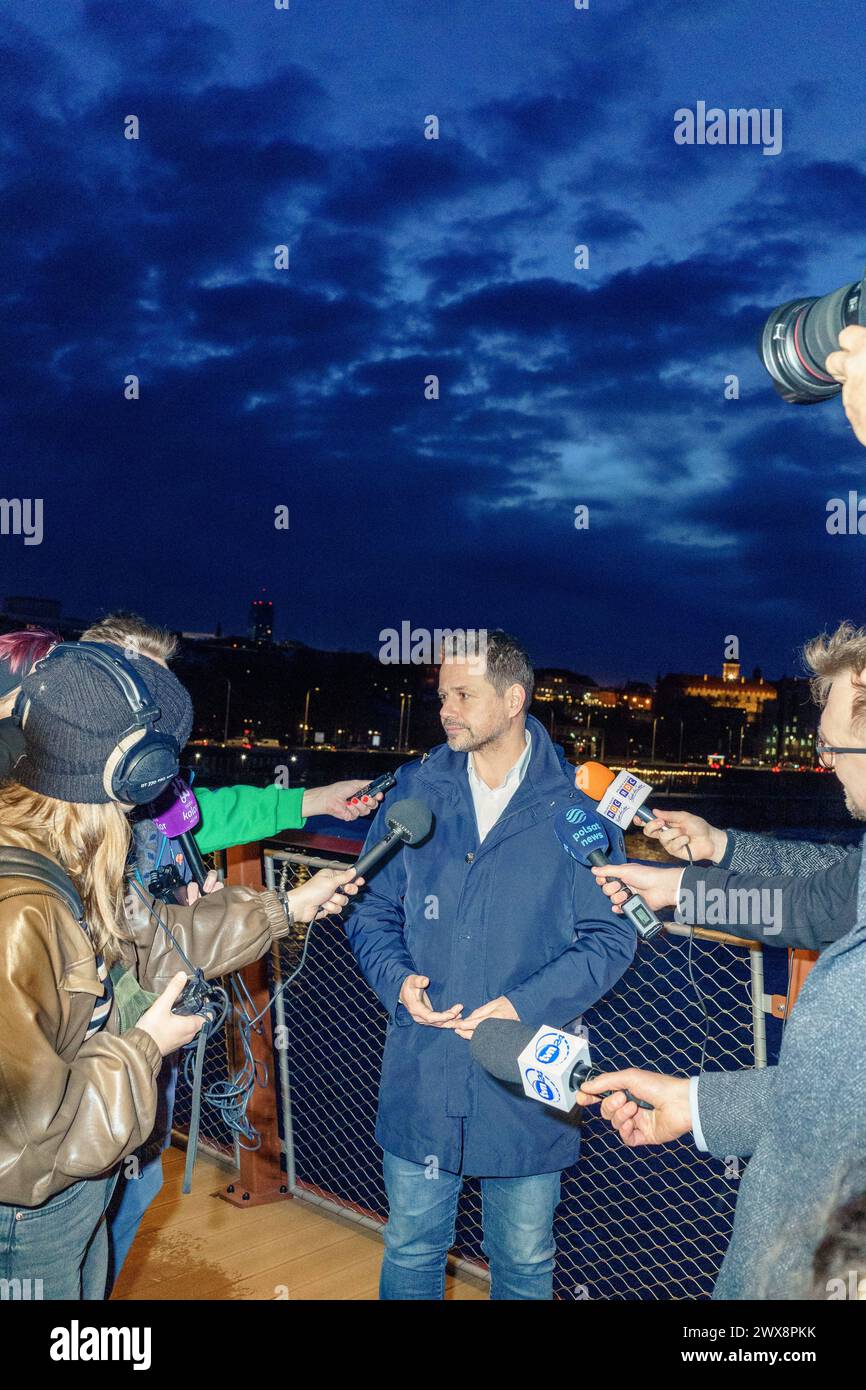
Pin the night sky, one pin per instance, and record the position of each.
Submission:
(304, 387)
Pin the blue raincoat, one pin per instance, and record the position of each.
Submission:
(512, 915)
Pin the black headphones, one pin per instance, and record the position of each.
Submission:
(143, 761)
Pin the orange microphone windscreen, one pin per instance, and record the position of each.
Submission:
(594, 779)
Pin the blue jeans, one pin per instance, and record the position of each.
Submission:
(135, 1194)
(517, 1218)
(131, 1201)
(58, 1251)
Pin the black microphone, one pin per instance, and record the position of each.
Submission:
(192, 855)
(382, 783)
(176, 814)
(409, 823)
(497, 1043)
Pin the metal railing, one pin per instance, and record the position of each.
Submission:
(633, 1223)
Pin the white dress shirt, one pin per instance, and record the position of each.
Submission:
(490, 802)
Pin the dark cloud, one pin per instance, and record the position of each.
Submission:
(653, 314)
(158, 41)
(408, 258)
(379, 186)
(598, 222)
(827, 196)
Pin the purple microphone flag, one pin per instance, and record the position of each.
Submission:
(175, 811)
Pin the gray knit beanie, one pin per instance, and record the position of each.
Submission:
(76, 716)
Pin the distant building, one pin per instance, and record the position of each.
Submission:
(262, 620)
(608, 698)
(638, 697)
(635, 696)
(565, 687)
(791, 723)
(731, 690)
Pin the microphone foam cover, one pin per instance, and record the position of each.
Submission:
(411, 819)
(175, 810)
(580, 832)
(594, 779)
(496, 1045)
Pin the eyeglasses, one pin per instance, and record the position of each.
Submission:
(826, 754)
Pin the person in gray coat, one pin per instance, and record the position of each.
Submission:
(803, 1122)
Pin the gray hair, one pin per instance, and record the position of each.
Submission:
(831, 653)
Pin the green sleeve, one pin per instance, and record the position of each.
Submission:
(238, 815)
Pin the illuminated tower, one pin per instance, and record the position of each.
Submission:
(262, 620)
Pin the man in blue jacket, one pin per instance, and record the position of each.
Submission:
(488, 918)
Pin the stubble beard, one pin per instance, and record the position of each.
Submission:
(465, 741)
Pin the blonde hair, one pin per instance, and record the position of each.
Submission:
(136, 636)
(90, 841)
(831, 653)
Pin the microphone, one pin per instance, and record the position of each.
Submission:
(175, 812)
(550, 1064)
(383, 783)
(583, 836)
(409, 822)
(620, 796)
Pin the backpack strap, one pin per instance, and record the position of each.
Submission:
(26, 863)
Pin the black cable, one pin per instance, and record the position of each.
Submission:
(297, 970)
(166, 928)
(195, 1113)
(229, 1098)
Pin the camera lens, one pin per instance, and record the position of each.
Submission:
(799, 336)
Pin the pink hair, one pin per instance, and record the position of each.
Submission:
(19, 650)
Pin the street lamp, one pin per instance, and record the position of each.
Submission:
(400, 727)
(655, 723)
(313, 688)
(228, 705)
(403, 734)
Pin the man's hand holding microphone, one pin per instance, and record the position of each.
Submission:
(686, 837)
(669, 1118)
(683, 835)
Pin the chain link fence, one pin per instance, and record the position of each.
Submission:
(632, 1224)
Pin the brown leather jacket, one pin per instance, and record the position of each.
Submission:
(71, 1109)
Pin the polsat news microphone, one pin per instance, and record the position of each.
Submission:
(583, 836)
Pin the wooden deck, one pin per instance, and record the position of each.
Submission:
(199, 1247)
